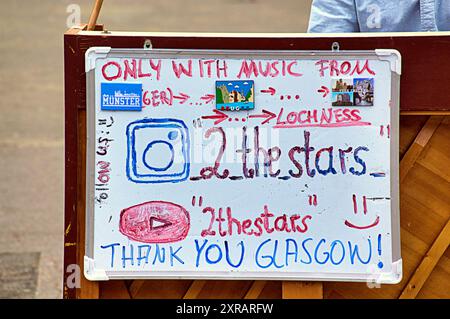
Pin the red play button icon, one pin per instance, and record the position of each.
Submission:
(155, 222)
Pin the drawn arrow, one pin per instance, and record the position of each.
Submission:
(267, 116)
(183, 97)
(220, 117)
(270, 90)
(324, 90)
(208, 98)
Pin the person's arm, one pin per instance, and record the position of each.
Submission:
(332, 16)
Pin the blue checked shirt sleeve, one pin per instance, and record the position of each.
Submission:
(329, 16)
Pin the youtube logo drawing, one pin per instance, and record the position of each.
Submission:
(155, 222)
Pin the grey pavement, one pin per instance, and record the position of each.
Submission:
(32, 113)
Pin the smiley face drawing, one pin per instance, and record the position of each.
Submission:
(355, 210)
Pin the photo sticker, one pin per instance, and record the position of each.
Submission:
(342, 85)
(363, 89)
(121, 97)
(235, 95)
(352, 92)
(342, 99)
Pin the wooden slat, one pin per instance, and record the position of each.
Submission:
(428, 263)
(255, 289)
(194, 289)
(418, 145)
(225, 289)
(89, 289)
(135, 287)
(272, 290)
(162, 289)
(425, 206)
(114, 289)
(302, 290)
(437, 285)
(415, 113)
(437, 155)
(410, 126)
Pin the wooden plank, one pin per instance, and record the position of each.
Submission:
(194, 289)
(225, 289)
(135, 287)
(272, 290)
(437, 154)
(89, 289)
(162, 289)
(410, 126)
(114, 289)
(255, 289)
(428, 263)
(71, 158)
(302, 290)
(426, 201)
(415, 113)
(418, 145)
(437, 285)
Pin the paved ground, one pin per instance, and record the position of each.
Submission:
(31, 113)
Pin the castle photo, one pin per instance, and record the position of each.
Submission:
(234, 95)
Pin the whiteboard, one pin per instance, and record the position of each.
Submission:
(242, 165)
